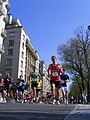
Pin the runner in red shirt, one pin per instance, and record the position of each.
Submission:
(54, 71)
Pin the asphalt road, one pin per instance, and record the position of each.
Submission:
(18, 111)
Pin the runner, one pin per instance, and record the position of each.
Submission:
(38, 90)
(64, 80)
(21, 87)
(7, 82)
(1, 90)
(34, 78)
(54, 71)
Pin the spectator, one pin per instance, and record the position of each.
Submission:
(84, 97)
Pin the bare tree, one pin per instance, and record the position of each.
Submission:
(76, 57)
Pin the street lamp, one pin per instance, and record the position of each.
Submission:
(88, 27)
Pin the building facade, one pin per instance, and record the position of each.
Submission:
(44, 77)
(4, 8)
(19, 56)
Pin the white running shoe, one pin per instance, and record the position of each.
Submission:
(4, 101)
(66, 102)
(21, 101)
(58, 103)
(1, 100)
(54, 101)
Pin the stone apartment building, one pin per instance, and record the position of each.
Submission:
(4, 8)
(19, 56)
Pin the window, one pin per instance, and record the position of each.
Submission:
(11, 34)
(28, 64)
(22, 54)
(10, 52)
(21, 72)
(9, 62)
(23, 45)
(11, 43)
(23, 37)
(22, 64)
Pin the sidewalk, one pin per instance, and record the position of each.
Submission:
(80, 112)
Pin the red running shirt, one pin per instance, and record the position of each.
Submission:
(54, 72)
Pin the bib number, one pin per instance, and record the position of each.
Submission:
(62, 81)
(20, 84)
(54, 74)
(34, 79)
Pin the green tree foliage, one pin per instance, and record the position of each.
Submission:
(75, 55)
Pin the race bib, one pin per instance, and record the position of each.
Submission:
(34, 79)
(54, 74)
(20, 84)
(62, 81)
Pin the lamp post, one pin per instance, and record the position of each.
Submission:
(88, 27)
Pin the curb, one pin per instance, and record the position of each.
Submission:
(80, 112)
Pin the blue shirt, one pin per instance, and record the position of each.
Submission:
(20, 83)
(64, 77)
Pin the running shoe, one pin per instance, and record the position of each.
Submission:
(66, 102)
(54, 101)
(58, 103)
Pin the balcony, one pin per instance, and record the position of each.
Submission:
(8, 6)
(2, 48)
(4, 33)
(2, 10)
(1, 2)
(5, 19)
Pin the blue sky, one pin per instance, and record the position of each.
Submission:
(49, 23)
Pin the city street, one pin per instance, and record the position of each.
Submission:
(18, 111)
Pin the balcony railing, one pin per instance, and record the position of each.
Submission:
(4, 33)
(5, 19)
(8, 6)
(2, 10)
(1, 1)
(2, 49)
(4, 0)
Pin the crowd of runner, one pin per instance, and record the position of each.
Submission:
(12, 92)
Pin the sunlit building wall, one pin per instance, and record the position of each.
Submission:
(4, 8)
(19, 55)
